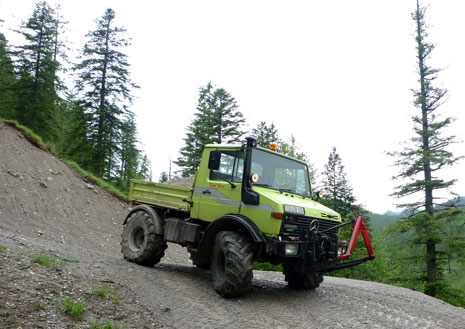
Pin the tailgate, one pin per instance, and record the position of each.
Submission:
(163, 195)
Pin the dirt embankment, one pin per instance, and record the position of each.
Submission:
(49, 212)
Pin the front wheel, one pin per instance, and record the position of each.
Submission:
(140, 244)
(302, 281)
(232, 264)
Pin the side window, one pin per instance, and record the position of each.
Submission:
(231, 167)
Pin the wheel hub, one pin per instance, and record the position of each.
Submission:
(137, 239)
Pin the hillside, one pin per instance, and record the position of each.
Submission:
(59, 248)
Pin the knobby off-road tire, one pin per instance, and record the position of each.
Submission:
(232, 264)
(299, 281)
(139, 242)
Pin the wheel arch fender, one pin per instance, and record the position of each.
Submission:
(230, 222)
(154, 217)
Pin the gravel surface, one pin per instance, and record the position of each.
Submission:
(49, 211)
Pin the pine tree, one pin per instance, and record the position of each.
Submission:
(104, 88)
(163, 177)
(420, 164)
(76, 140)
(265, 134)
(217, 121)
(144, 168)
(7, 81)
(339, 193)
(130, 156)
(38, 85)
(268, 134)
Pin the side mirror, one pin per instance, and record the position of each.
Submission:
(214, 160)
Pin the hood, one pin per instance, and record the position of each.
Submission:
(312, 208)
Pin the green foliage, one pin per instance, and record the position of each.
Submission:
(104, 87)
(107, 186)
(267, 134)
(420, 163)
(44, 259)
(101, 292)
(265, 266)
(38, 65)
(33, 138)
(163, 177)
(7, 81)
(339, 195)
(217, 121)
(74, 308)
(69, 260)
(40, 305)
(2, 248)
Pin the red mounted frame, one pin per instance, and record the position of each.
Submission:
(359, 226)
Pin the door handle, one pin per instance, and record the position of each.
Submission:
(207, 192)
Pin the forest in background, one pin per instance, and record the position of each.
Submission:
(87, 118)
(82, 109)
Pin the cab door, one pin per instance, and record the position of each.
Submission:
(220, 191)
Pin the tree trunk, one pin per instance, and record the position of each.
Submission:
(431, 264)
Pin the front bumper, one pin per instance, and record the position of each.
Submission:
(313, 244)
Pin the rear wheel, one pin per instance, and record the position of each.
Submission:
(301, 281)
(232, 264)
(139, 243)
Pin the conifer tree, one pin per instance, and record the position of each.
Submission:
(104, 89)
(38, 85)
(339, 195)
(217, 121)
(266, 134)
(129, 155)
(420, 163)
(7, 81)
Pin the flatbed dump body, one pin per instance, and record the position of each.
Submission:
(161, 195)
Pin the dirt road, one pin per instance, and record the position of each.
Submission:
(48, 209)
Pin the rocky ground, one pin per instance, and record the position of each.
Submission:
(61, 267)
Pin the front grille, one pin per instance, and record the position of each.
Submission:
(299, 224)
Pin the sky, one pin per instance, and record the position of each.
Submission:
(331, 73)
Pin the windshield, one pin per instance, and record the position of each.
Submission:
(280, 173)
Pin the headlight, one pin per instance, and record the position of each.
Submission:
(296, 210)
(291, 249)
(342, 248)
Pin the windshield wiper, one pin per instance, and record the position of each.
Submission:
(283, 190)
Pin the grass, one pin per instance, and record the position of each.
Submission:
(2, 248)
(115, 299)
(69, 260)
(74, 308)
(44, 259)
(38, 142)
(267, 267)
(39, 305)
(32, 137)
(102, 292)
(105, 293)
(100, 182)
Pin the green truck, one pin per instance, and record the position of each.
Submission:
(247, 204)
